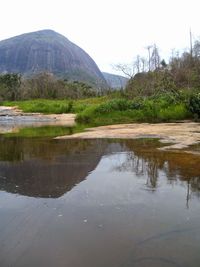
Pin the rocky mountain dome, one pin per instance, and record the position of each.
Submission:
(48, 51)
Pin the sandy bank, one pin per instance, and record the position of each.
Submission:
(179, 135)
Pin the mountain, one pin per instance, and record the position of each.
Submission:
(48, 51)
(115, 81)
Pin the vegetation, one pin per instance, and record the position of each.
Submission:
(13, 87)
(194, 104)
(156, 92)
(9, 86)
(159, 109)
(45, 106)
(114, 108)
(48, 106)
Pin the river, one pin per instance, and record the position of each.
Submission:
(97, 203)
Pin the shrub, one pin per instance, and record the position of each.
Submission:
(86, 115)
(194, 104)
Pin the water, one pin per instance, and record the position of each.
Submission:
(97, 203)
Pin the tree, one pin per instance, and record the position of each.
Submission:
(163, 64)
(137, 63)
(11, 83)
(127, 69)
(196, 49)
(155, 58)
(143, 63)
(149, 55)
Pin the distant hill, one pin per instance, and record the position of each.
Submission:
(115, 81)
(48, 51)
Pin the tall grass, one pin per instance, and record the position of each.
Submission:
(108, 110)
(47, 106)
(126, 111)
(43, 106)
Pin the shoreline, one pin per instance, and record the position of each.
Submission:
(179, 135)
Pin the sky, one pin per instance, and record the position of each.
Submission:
(110, 31)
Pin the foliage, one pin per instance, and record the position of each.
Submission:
(10, 86)
(194, 104)
(110, 110)
(48, 106)
(152, 76)
(121, 104)
(44, 106)
(43, 85)
(174, 112)
(162, 108)
(151, 84)
(157, 92)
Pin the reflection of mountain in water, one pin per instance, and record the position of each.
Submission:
(49, 168)
(46, 168)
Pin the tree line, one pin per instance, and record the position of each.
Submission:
(152, 75)
(44, 85)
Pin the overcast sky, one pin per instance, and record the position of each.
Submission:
(110, 31)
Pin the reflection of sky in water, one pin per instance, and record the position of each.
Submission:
(109, 185)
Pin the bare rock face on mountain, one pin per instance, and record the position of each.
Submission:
(48, 51)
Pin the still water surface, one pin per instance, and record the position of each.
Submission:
(97, 203)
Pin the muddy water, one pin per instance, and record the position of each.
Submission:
(97, 203)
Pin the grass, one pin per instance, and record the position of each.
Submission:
(42, 106)
(176, 112)
(125, 111)
(111, 109)
(47, 106)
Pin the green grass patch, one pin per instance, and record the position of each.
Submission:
(43, 106)
(47, 106)
(176, 112)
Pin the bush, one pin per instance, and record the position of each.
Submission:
(194, 104)
(86, 115)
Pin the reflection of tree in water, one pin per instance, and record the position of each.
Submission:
(140, 167)
(18, 149)
(144, 159)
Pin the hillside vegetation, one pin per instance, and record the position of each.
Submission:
(157, 92)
